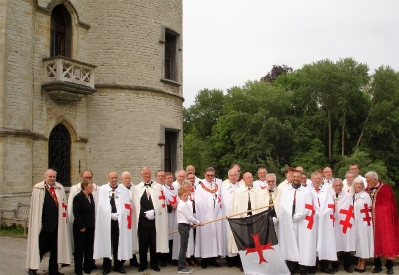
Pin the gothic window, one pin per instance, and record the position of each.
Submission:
(171, 58)
(60, 32)
(59, 154)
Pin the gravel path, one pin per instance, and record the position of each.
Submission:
(13, 259)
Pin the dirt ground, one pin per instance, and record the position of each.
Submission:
(13, 259)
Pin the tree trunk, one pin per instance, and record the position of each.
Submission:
(365, 124)
(343, 135)
(329, 135)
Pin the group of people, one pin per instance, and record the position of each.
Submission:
(318, 221)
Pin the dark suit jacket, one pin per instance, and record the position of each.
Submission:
(49, 213)
(84, 211)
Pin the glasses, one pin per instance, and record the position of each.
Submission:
(89, 178)
(271, 181)
(207, 175)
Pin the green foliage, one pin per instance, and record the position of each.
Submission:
(13, 229)
(324, 114)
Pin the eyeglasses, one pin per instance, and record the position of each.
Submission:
(89, 178)
(207, 175)
(271, 181)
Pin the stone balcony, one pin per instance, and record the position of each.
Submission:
(67, 80)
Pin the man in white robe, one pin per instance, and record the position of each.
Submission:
(227, 191)
(180, 177)
(354, 167)
(344, 226)
(172, 200)
(48, 226)
(191, 169)
(151, 216)
(325, 247)
(209, 242)
(269, 196)
(127, 182)
(297, 233)
(113, 233)
(236, 167)
(349, 178)
(328, 177)
(261, 182)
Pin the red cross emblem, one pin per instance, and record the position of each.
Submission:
(366, 210)
(174, 200)
(263, 187)
(192, 190)
(310, 218)
(332, 206)
(347, 222)
(129, 217)
(162, 197)
(258, 248)
(64, 214)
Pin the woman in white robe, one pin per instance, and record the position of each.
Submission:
(363, 224)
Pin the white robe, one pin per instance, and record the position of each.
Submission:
(347, 188)
(161, 217)
(209, 240)
(102, 233)
(35, 217)
(297, 239)
(260, 184)
(364, 226)
(240, 204)
(227, 191)
(344, 234)
(326, 249)
(358, 177)
(73, 191)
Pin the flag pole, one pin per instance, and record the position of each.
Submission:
(227, 217)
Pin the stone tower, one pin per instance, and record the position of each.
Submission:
(88, 85)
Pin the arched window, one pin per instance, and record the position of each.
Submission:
(60, 37)
(59, 153)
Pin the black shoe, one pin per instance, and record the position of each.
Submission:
(32, 272)
(348, 269)
(120, 270)
(215, 264)
(390, 270)
(105, 272)
(134, 263)
(141, 269)
(204, 264)
(335, 270)
(359, 270)
(87, 271)
(376, 270)
(156, 269)
(163, 263)
(326, 270)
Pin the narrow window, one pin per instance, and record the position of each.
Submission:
(170, 153)
(60, 32)
(59, 153)
(171, 60)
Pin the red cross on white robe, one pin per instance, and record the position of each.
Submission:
(366, 210)
(64, 213)
(174, 201)
(310, 218)
(162, 198)
(332, 215)
(129, 217)
(347, 222)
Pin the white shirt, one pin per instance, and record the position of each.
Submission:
(184, 213)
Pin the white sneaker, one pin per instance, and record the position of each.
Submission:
(185, 271)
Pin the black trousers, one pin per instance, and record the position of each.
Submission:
(83, 242)
(346, 258)
(292, 266)
(114, 246)
(148, 239)
(378, 263)
(48, 242)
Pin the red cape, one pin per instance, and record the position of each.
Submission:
(385, 222)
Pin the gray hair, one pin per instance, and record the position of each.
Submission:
(45, 173)
(178, 171)
(372, 175)
(125, 174)
(271, 175)
(357, 180)
(233, 171)
(349, 172)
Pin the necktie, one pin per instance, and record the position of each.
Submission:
(53, 195)
(294, 204)
(171, 188)
(249, 203)
(147, 184)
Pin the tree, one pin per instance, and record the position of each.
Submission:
(275, 72)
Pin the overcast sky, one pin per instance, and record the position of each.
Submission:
(228, 42)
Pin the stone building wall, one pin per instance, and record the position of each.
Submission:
(121, 126)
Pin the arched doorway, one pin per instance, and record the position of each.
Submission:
(59, 154)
